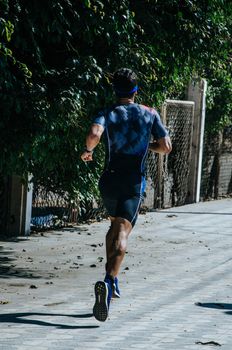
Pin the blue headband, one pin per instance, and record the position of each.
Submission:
(120, 92)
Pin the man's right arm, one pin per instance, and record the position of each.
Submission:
(92, 140)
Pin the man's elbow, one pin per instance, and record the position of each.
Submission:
(94, 136)
(96, 132)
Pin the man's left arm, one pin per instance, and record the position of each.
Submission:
(92, 140)
(162, 145)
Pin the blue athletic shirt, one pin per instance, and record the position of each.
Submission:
(127, 132)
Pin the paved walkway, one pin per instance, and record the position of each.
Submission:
(176, 285)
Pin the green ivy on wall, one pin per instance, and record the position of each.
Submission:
(56, 61)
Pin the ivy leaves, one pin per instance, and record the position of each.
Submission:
(56, 63)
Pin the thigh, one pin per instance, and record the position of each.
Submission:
(129, 203)
(122, 194)
(128, 208)
(109, 193)
(111, 206)
(109, 186)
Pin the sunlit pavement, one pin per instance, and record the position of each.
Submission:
(176, 285)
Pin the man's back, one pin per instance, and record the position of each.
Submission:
(128, 129)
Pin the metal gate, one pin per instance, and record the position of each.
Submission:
(168, 175)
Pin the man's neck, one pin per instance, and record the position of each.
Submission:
(126, 100)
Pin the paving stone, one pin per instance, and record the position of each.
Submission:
(177, 291)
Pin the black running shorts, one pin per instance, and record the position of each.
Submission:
(122, 194)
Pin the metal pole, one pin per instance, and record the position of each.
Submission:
(160, 184)
(201, 138)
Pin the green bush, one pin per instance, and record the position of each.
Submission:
(57, 58)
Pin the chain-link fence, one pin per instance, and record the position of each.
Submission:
(50, 209)
(54, 210)
(151, 195)
(167, 177)
(169, 174)
(92, 211)
(178, 116)
(217, 165)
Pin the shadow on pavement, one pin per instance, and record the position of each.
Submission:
(191, 212)
(221, 306)
(13, 239)
(21, 318)
(8, 268)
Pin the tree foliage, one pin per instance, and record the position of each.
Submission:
(56, 62)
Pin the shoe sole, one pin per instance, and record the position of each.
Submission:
(100, 309)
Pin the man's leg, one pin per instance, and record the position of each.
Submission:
(116, 244)
(109, 241)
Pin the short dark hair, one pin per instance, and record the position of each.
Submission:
(124, 82)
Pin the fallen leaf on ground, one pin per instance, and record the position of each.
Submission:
(32, 286)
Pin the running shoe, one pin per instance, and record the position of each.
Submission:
(103, 294)
(116, 291)
(113, 281)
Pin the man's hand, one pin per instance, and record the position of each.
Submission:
(162, 146)
(87, 156)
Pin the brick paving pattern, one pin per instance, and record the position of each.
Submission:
(176, 285)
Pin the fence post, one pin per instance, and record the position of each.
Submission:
(160, 174)
(197, 93)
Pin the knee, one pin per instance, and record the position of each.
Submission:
(121, 225)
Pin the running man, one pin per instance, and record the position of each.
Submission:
(127, 127)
